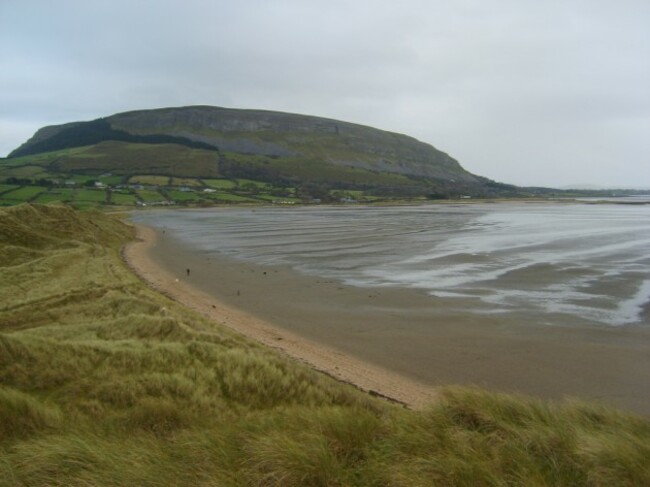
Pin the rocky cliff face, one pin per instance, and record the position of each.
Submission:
(282, 134)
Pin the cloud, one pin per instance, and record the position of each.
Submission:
(547, 93)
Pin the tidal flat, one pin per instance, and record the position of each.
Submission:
(543, 299)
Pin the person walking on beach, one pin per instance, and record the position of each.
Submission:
(188, 272)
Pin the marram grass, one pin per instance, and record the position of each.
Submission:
(104, 382)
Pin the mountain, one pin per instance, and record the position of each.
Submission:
(203, 141)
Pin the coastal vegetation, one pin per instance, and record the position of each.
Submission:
(107, 382)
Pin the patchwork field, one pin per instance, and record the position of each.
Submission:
(150, 180)
(148, 195)
(127, 199)
(26, 193)
(61, 195)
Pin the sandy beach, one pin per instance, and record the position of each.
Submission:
(342, 366)
(399, 343)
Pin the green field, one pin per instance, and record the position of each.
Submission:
(251, 182)
(90, 195)
(185, 182)
(220, 183)
(182, 196)
(104, 382)
(111, 180)
(79, 179)
(150, 180)
(7, 187)
(26, 193)
(150, 196)
(80, 195)
(123, 198)
(52, 196)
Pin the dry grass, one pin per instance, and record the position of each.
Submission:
(105, 382)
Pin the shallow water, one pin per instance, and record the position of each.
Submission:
(555, 260)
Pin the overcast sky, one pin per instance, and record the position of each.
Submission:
(527, 92)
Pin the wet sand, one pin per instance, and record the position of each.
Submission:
(402, 343)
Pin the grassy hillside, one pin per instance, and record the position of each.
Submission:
(276, 147)
(105, 382)
(257, 132)
(121, 158)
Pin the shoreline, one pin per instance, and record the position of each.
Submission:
(334, 363)
(402, 342)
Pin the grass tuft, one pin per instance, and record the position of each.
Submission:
(21, 414)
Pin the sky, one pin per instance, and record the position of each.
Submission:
(528, 92)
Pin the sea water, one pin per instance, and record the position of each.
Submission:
(551, 260)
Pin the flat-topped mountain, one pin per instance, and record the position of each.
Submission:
(203, 141)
